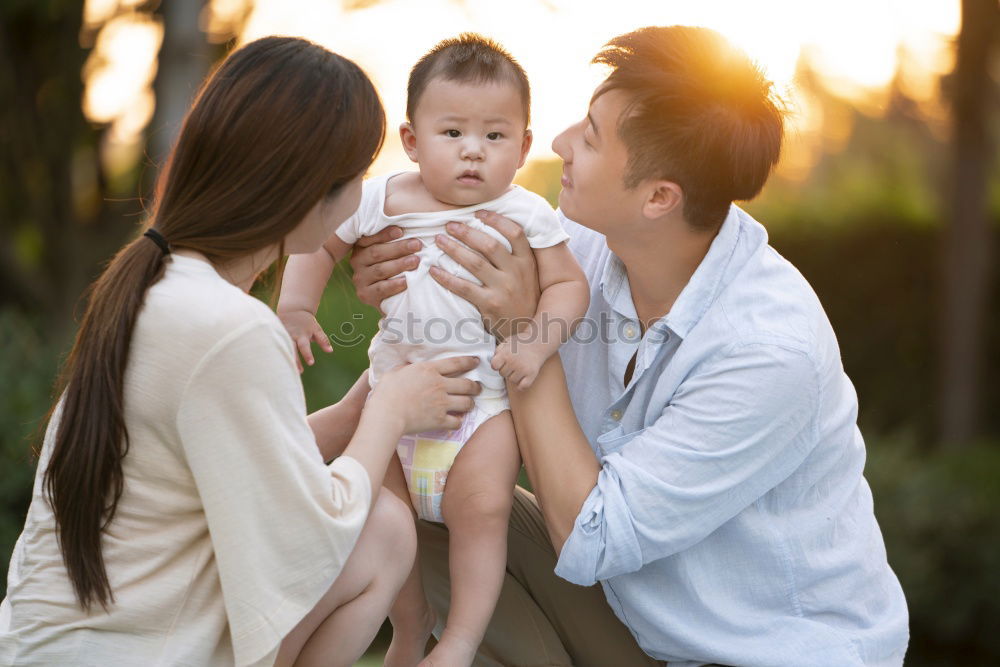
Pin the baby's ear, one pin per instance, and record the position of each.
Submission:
(409, 139)
(525, 147)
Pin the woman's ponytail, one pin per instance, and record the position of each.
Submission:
(84, 478)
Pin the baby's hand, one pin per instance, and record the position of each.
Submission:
(303, 328)
(519, 360)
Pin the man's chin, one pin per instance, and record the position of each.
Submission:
(571, 212)
(566, 205)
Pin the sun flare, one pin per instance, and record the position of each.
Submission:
(857, 46)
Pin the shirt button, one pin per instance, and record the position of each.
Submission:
(616, 414)
(630, 331)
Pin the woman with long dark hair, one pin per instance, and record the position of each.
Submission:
(182, 511)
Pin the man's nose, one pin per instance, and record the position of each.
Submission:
(560, 145)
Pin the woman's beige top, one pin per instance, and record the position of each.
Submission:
(230, 528)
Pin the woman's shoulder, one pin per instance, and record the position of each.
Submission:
(191, 309)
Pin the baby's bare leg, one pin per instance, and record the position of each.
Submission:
(476, 508)
(411, 617)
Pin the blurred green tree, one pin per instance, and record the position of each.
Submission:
(968, 246)
(57, 220)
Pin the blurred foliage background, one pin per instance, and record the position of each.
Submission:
(888, 202)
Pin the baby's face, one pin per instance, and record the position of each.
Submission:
(468, 138)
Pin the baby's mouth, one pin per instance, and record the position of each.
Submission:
(470, 177)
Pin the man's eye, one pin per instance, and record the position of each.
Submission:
(493, 136)
(454, 134)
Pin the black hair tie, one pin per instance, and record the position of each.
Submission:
(158, 240)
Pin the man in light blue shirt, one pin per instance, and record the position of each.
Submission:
(694, 447)
(730, 521)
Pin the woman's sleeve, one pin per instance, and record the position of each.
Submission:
(282, 523)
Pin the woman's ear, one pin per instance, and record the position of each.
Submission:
(525, 147)
(664, 197)
(409, 139)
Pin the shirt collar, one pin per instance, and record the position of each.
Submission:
(705, 282)
(615, 287)
(700, 291)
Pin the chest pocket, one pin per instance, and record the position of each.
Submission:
(615, 439)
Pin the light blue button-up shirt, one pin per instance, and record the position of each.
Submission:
(731, 522)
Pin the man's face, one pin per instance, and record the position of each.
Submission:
(468, 138)
(594, 160)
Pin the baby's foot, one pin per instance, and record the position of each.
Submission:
(409, 642)
(451, 651)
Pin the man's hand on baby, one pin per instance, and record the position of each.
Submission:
(518, 360)
(509, 290)
(304, 329)
(378, 262)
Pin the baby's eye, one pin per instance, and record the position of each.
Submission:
(454, 134)
(493, 136)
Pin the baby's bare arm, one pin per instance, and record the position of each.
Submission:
(302, 286)
(306, 276)
(565, 294)
(564, 299)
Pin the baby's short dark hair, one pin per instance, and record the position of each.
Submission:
(469, 57)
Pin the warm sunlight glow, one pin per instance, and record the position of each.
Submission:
(857, 47)
(854, 44)
(121, 66)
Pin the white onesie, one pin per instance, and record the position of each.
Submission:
(426, 322)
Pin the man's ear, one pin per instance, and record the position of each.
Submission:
(664, 197)
(525, 147)
(409, 140)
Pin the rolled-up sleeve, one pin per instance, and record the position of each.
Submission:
(736, 428)
(282, 523)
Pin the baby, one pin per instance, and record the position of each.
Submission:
(467, 109)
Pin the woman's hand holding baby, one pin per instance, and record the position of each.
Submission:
(426, 395)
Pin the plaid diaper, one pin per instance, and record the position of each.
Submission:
(427, 457)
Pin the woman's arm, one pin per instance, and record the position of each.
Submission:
(335, 424)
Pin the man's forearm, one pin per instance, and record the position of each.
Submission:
(560, 463)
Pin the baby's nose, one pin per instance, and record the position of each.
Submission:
(472, 149)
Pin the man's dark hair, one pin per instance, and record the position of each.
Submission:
(468, 57)
(700, 114)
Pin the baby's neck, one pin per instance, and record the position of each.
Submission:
(406, 193)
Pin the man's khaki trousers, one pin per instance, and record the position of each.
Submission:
(540, 619)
